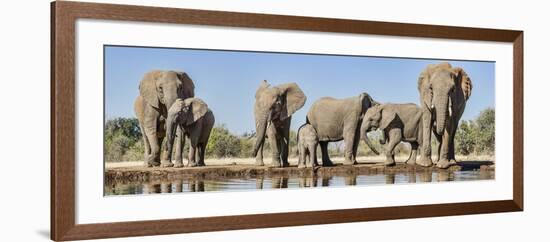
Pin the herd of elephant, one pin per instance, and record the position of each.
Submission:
(167, 108)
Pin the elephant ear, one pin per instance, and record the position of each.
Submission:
(366, 102)
(263, 86)
(197, 108)
(188, 87)
(295, 99)
(148, 88)
(464, 82)
(387, 116)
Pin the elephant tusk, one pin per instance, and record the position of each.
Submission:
(450, 107)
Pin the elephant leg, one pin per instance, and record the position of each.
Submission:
(452, 158)
(146, 145)
(165, 162)
(307, 160)
(203, 154)
(313, 154)
(161, 134)
(355, 147)
(179, 144)
(154, 153)
(426, 150)
(394, 138)
(443, 162)
(348, 149)
(412, 157)
(274, 143)
(191, 156)
(285, 135)
(324, 152)
(438, 139)
(260, 156)
(301, 156)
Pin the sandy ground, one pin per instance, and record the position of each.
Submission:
(292, 161)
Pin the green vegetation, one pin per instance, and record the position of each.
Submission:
(123, 141)
(477, 136)
(223, 144)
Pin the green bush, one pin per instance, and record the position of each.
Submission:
(477, 136)
(123, 140)
(222, 143)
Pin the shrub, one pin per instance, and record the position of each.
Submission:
(477, 136)
(222, 143)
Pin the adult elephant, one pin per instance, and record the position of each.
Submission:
(273, 111)
(158, 90)
(444, 91)
(340, 119)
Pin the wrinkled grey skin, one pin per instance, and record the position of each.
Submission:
(273, 111)
(158, 90)
(307, 146)
(196, 120)
(339, 119)
(444, 91)
(398, 122)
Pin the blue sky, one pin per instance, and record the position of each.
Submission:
(227, 80)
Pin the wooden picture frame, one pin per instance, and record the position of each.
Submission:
(63, 18)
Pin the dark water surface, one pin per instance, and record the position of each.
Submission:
(237, 184)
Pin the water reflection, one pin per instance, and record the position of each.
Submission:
(311, 180)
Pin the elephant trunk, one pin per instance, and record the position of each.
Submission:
(261, 126)
(171, 127)
(364, 129)
(441, 109)
(168, 101)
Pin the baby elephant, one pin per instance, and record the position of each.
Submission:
(196, 120)
(398, 122)
(307, 146)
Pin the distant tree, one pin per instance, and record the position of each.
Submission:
(222, 143)
(486, 125)
(464, 138)
(477, 136)
(123, 140)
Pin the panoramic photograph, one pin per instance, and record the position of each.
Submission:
(196, 120)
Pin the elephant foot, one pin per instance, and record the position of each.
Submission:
(165, 164)
(424, 161)
(452, 162)
(300, 166)
(152, 164)
(192, 164)
(443, 164)
(201, 164)
(259, 162)
(411, 160)
(178, 164)
(328, 163)
(349, 162)
(389, 163)
(274, 165)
